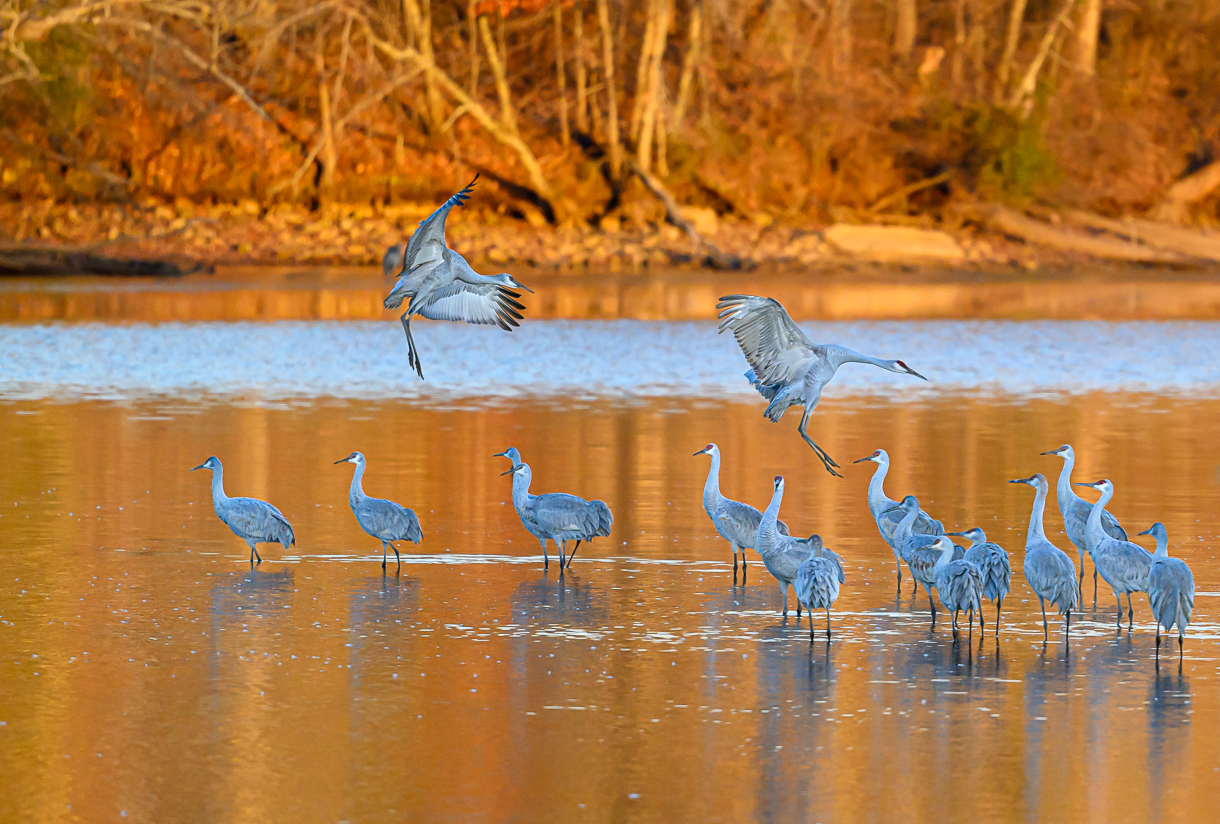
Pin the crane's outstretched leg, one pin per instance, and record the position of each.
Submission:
(569, 562)
(412, 355)
(827, 461)
(1045, 626)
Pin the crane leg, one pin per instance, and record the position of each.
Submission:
(734, 546)
(1158, 637)
(999, 603)
(783, 588)
(827, 461)
(798, 611)
(569, 561)
(743, 567)
(563, 548)
(1179, 648)
(1094, 584)
(397, 557)
(827, 622)
(898, 566)
(1045, 626)
(931, 603)
(1118, 599)
(384, 552)
(1130, 611)
(811, 626)
(412, 355)
(915, 587)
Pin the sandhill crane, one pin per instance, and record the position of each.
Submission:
(993, 563)
(785, 366)
(887, 517)
(525, 507)
(906, 540)
(1048, 570)
(252, 520)
(817, 584)
(1122, 564)
(1171, 588)
(782, 554)
(558, 515)
(391, 261)
(442, 286)
(959, 583)
(736, 522)
(1075, 511)
(384, 520)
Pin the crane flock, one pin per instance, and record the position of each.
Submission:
(787, 369)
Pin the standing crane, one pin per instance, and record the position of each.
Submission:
(384, 520)
(441, 285)
(1122, 564)
(993, 563)
(252, 520)
(736, 522)
(557, 515)
(887, 517)
(959, 583)
(1171, 588)
(783, 555)
(1048, 570)
(817, 584)
(785, 366)
(1075, 511)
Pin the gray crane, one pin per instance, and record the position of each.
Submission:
(1171, 588)
(557, 515)
(817, 584)
(959, 583)
(441, 285)
(992, 561)
(525, 507)
(736, 522)
(384, 520)
(922, 553)
(906, 539)
(1075, 511)
(785, 366)
(1048, 570)
(391, 261)
(252, 520)
(886, 516)
(1122, 564)
(783, 555)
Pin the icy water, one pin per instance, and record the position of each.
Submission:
(147, 673)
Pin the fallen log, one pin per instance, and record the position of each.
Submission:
(16, 259)
(1188, 191)
(1017, 225)
(1150, 233)
(894, 243)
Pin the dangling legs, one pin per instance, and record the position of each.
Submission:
(827, 461)
(412, 356)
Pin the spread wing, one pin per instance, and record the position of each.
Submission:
(485, 303)
(776, 349)
(427, 244)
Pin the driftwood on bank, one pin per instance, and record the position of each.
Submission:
(1188, 191)
(714, 256)
(1150, 233)
(1017, 225)
(16, 259)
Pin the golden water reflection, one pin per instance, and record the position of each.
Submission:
(145, 669)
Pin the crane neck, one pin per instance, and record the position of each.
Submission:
(218, 487)
(768, 529)
(1093, 531)
(521, 491)
(1035, 516)
(878, 502)
(357, 490)
(946, 558)
(711, 487)
(907, 524)
(1162, 545)
(1063, 487)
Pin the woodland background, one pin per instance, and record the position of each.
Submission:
(604, 115)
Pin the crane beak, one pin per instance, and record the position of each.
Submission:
(957, 534)
(1090, 486)
(509, 472)
(1147, 531)
(201, 466)
(862, 460)
(501, 454)
(342, 460)
(702, 451)
(1052, 452)
(1020, 480)
(911, 371)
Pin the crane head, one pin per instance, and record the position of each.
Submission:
(1157, 530)
(1064, 451)
(1103, 485)
(976, 535)
(779, 482)
(902, 367)
(518, 469)
(707, 450)
(511, 453)
(876, 457)
(212, 463)
(354, 458)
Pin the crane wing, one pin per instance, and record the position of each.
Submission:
(427, 244)
(776, 349)
(483, 303)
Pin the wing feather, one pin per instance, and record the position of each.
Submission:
(484, 303)
(774, 346)
(427, 243)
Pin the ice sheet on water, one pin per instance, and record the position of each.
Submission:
(595, 359)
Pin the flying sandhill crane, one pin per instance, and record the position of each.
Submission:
(993, 563)
(558, 515)
(441, 285)
(384, 520)
(1122, 564)
(1075, 511)
(782, 554)
(785, 366)
(886, 516)
(252, 520)
(1048, 570)
(1171, 588)
(736, 522)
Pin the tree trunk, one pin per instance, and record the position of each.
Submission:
(561, 75)
(1015, 18)
(508, 115)
(330, 157)
(612, 136)
(582, 80)
(1086, 38)
(639, 101)
(472, 34)
(958, 64)
(1191, 189)
(693, 45)
(905, 29)
(661, 11)
(840, 38)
